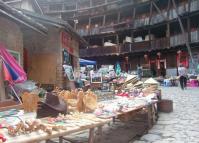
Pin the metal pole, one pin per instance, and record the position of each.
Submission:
(15, 94)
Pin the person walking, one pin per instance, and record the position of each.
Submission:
(182, 71)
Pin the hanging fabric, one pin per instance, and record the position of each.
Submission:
(13, 72)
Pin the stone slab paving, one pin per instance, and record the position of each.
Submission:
(180, 126)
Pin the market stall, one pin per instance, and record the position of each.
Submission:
(63, 112)
(48, 128)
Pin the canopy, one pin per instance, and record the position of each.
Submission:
(86, 62)
(12, 71)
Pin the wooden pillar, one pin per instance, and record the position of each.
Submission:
(118, 17)
(91, 135)
(89, 26)
(189, 29)
(149, 116)
(168, 33)
(151, 10)
(76, 5)
(188, 22)
(189, 6)
(104, 20)
(149, 32)
(134, 14)
(2, 86)
(89, 22)
(117, 39)
(102, 41)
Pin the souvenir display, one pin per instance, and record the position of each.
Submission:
(30, 102)
(79, 100)
(31, 126)
(90, 101)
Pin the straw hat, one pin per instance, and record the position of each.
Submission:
(138, 83)
(151, 81)
(131, 78)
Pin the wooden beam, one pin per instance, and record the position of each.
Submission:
(151, 11)
(168, 9)
(40, 9)
(159, 11)
(183, 32)
(22, 22)
(189, 29)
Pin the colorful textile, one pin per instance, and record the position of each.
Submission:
(13, 72)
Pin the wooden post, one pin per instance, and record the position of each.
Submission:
(118, 17)
(91, 135)
(189, 6)
(104, 20)
(168, 34)
(117, 39)
(134, 14)
(2, 86)
(149, 116)
(159, 11)
(189, 29)
(149, 32)
(151, 10)
(61, 139)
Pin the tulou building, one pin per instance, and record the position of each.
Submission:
(150, 33)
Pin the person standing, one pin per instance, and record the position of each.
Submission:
(139, 72)
(182, 71)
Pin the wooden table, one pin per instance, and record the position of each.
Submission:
(40, 135)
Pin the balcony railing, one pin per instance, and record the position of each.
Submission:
(99, 51)
(126, 48)
(177, 40)
(194, 5)
(158, 44)
(156, 18)
(195, 36)
(63, 6)
(141, 46)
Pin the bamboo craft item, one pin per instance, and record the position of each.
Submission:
(30, 102)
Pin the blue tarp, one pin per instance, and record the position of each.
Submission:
(86, 62)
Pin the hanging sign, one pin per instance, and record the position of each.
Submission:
(67, 42)
(69, 72)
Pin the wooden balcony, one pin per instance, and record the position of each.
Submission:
(67, 7)
(159, 44)
(126, 48)
(141, 46)
(144, 46)
(99, 51)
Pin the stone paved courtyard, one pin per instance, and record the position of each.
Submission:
(180, 126)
